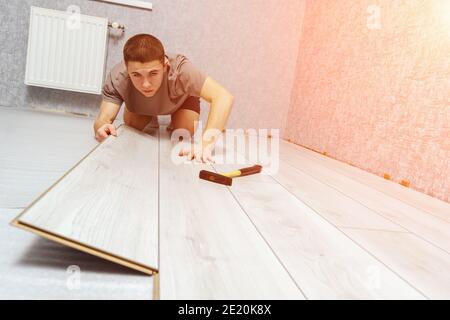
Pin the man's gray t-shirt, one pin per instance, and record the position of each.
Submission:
(181, 80)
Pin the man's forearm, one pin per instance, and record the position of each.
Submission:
(107, 114)
(217, 118)
(99, 122)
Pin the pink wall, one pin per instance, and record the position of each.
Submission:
(378, 99)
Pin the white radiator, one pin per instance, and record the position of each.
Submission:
(66, 51)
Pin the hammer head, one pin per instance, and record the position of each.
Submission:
(215, 177)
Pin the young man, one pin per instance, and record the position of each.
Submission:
(152, 83)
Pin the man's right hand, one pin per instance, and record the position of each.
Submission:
(104, 131)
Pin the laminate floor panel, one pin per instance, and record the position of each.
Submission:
(35, 268)
(409, 196)
(429, 227)
(38, 148)
(107, 204)
(324, 262)
(209, 249)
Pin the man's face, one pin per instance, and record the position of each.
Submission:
(146, 77)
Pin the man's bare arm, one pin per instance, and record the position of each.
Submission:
(221, 102)
(103, 124)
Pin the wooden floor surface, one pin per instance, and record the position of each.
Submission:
(209, 248)
(314, 229)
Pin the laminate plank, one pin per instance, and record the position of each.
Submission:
(322, 260)
(107, 204)
(421, 201)
(418, 262)
(35, 268)
(209, 249)
(335, 206)
(423, 224)
(422, 264)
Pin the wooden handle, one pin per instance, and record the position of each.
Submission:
(250, 170)
(215, 177)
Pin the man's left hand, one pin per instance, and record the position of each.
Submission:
(201, 153)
